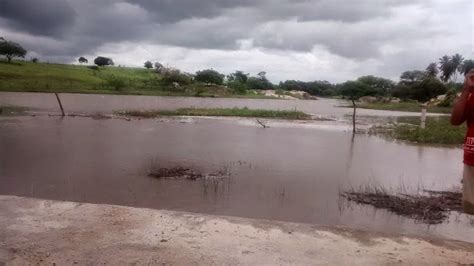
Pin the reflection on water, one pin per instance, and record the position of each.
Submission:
(281, 173)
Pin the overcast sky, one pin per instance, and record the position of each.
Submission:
(331, 40)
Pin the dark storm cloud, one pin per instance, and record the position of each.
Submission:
(216, 24)
(354, 30)
(170, 11)
(50, 17)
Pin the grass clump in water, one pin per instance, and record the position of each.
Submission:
(404, 106)
(438, 130)
(12, 110)
(431, 207)
(238, 112)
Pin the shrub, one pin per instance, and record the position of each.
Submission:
(237, 87)
(174, 75)
(116, 83)
(210, 76)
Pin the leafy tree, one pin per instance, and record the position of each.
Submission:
(412, 76)
(34, 60)
(148, 64)
(380, 86)
(237, 81)
(466, 66)
(159, 67)
(175, 75)
(238, 76)
(255, 83)
(210, 76)
(421, 89)
(103, 61)
(432, 70)
(317, 87)
(83, 60)
(262, 75)
(11, 49)
(353, 90)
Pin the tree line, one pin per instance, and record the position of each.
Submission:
(437, 78)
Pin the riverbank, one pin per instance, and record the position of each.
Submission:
(235, 112)
(24, 76)
(79, 233)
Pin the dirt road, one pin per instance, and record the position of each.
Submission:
(39, 231)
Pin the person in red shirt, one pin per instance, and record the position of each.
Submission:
(463, 111)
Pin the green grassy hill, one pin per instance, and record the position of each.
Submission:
(42, 77)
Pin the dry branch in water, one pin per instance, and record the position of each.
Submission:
(431, 207)
(262, 124)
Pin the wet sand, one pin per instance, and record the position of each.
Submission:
(66, 233)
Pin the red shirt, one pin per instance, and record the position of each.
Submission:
(469, 141)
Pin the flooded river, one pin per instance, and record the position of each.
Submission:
(289, 172)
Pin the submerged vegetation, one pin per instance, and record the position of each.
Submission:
(438, 130)
(431, 207)
(12, 110)
(404, 106)
(239, 112)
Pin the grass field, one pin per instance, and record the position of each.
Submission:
(24, 76)
(404, 106)
(239, 112)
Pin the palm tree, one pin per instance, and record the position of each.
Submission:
(466, 66)
(446, 68)
(432, 70)
(456, 64)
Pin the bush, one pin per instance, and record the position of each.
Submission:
(174, 75)
(210, 76)
(237, 87)
(255, 83)
(116, 83)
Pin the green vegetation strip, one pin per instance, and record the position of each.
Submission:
(438, 131)
(24, 76)
(403, 106)
(240, 112)
(12, 110)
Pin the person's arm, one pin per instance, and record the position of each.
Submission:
(458, 115)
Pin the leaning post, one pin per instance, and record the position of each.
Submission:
(60, 104)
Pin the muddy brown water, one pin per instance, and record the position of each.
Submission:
(93, 103)
(289, 172)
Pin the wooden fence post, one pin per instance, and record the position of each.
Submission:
(423, 116)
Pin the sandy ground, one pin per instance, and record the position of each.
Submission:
(45, 232)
